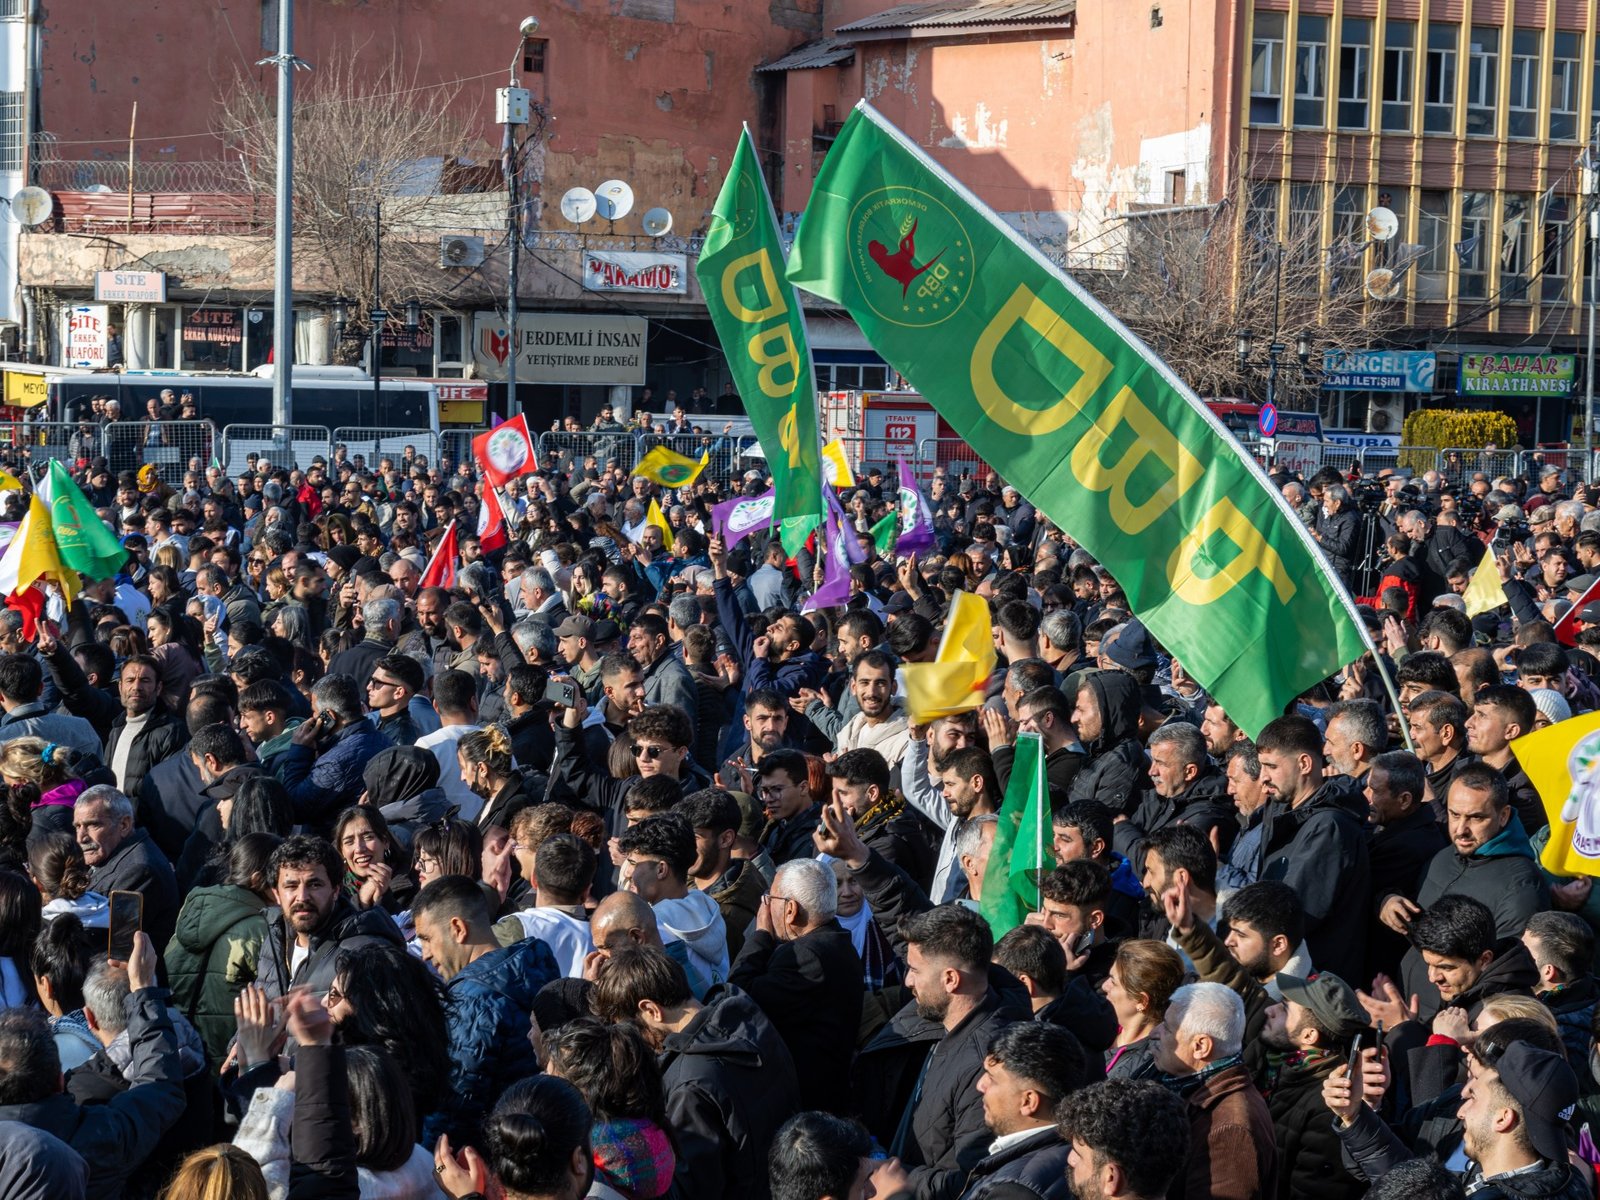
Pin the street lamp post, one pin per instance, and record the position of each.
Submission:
(377, 314)
(512, 104)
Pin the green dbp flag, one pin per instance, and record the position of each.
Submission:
(86, 544)
(763, 333)
(1021, 851)
(1093, 428)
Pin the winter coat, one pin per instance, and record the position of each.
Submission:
(323, 1143)
(360, 660)
(138, 866)
(35, 1165)
(1116, 769)
(739, 899)
(1232, 1155)
(1320, 850)
(730, 1084)
(668, 681)
(212, 955)
(1204, 806)
(320, 785)
(264, 1136)
(35, 720)
(1574, 1008)
(804, 670)
(1310, 1163)
(403, 782)
(790, 839)
(1085, 1013)
(1502, 874)
(170, 799)
(346, 928)
(1034, 1168)
(903, 836)
(810, 988)
(114, 1138)
(200, 864)
(946, 1136)
(1340, 537)
(490, 1002)
(1429, 1069)
(1400, 853)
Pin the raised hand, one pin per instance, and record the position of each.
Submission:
(836, 836)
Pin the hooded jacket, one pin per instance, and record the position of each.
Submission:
(1320, 850)
(490, 1002)
(1116, 767)
(739, 898)
(212, 955)
(403, 781)
(696, 920)
(1502, 874)
(346, 927)
(1432, 1068)
(730, 1085)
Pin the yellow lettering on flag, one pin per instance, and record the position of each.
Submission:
(772, 302)
(772, 349)
(1255, 554)
(1485, 593)
(1027, 308)
(1149, 437)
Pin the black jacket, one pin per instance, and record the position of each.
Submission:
(785, 840)
(116, 1137)
(945, 1136)
(1116, 770)
(1340, 537)
(906, 838)
(1310, 1161)
(139, 866)
(1084, 1012)
(322, 1139)
(810, 989)
(1205, 805)
(162, 736)
(1400, 853)
(1320, 850)
(1032, 1169)
(170, 799)
(346, 927)
(1429, 1069)
(730, 1085)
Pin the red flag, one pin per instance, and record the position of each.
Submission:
(491, 521)
(30, 603)
(505, 451)
(441, 570)
(1566, 629)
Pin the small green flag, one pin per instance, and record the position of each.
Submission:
(85, 542)
(886, 532)
(1021, 853)
(763, 333)
(1090, 425)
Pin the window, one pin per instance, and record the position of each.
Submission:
(1522, 85)
(1565, 83)
(1483, 72)
(1176, 189)
(1311, 73)
(1304, 233)
(1355, 72)
(1555, 261)
(533, 56)
(12, 114)
(1388, 252)
(1516, 246)
(1433, 234)
(1350, 215)
(1471, 250)
(1266, 70)
(1439, 86)
(1261, 224)
(1399, 51)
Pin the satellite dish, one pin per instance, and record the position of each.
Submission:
(657, 222)
(32, 205)
(1382, 224)
(613, 199)
(578, 205)
(1383, 284)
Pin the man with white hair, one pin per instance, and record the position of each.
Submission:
(122, 858)
(1197, 1046)
(801, 968)
(540, 596)
(381, 620)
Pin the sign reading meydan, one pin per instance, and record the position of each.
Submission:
(574, 348)
(1518, 374)
(1379, 370)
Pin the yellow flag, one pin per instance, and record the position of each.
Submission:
(836, 466)
(955, 681)
(1484, 593)
(9, 482)
(1563, 764)
(655, 517)
(671, 469)
(33, 555)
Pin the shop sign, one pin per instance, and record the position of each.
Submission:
(1518, 374)
(88, 336)
(635, 271)
(131, 287)
(570, 348)
(1379, 370)
(217, 326)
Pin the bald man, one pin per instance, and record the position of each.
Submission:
(624, 919)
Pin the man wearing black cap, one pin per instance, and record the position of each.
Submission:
(1514, 1116)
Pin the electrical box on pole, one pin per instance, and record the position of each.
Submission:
(512, 106)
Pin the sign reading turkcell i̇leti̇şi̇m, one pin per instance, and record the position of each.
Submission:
(1518, 374)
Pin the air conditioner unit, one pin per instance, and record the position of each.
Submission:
(461, 252)
(1386, 413)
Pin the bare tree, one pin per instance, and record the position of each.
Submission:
(376, 151)
(1194, 277)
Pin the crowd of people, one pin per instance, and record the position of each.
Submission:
(606, 867)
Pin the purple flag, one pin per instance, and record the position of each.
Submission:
(916, 517)
(834, 547)
(743, 515)
(850, 535)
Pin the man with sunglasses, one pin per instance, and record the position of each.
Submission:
(660, 738)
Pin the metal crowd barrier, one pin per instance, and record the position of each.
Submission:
(950, 455)
(34, 443)
(573, 450)
(373, 443)
(1459, 464)
(282, 445)
(173, 447)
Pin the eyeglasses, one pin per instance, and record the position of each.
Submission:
(380, 683)
(769, 898)
(335, 996)
(426, 862)
(650, 753)
(771, 792)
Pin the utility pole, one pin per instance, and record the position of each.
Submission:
(283, 215)
(512, 109)
(1591, 181)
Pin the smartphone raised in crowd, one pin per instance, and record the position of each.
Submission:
(127, 916)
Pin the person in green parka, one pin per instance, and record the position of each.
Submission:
(214, 951)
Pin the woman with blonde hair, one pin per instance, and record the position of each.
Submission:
(484, 757)
(221, 1172)
(45, 770)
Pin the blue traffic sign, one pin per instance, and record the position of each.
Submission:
(1268, 420)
